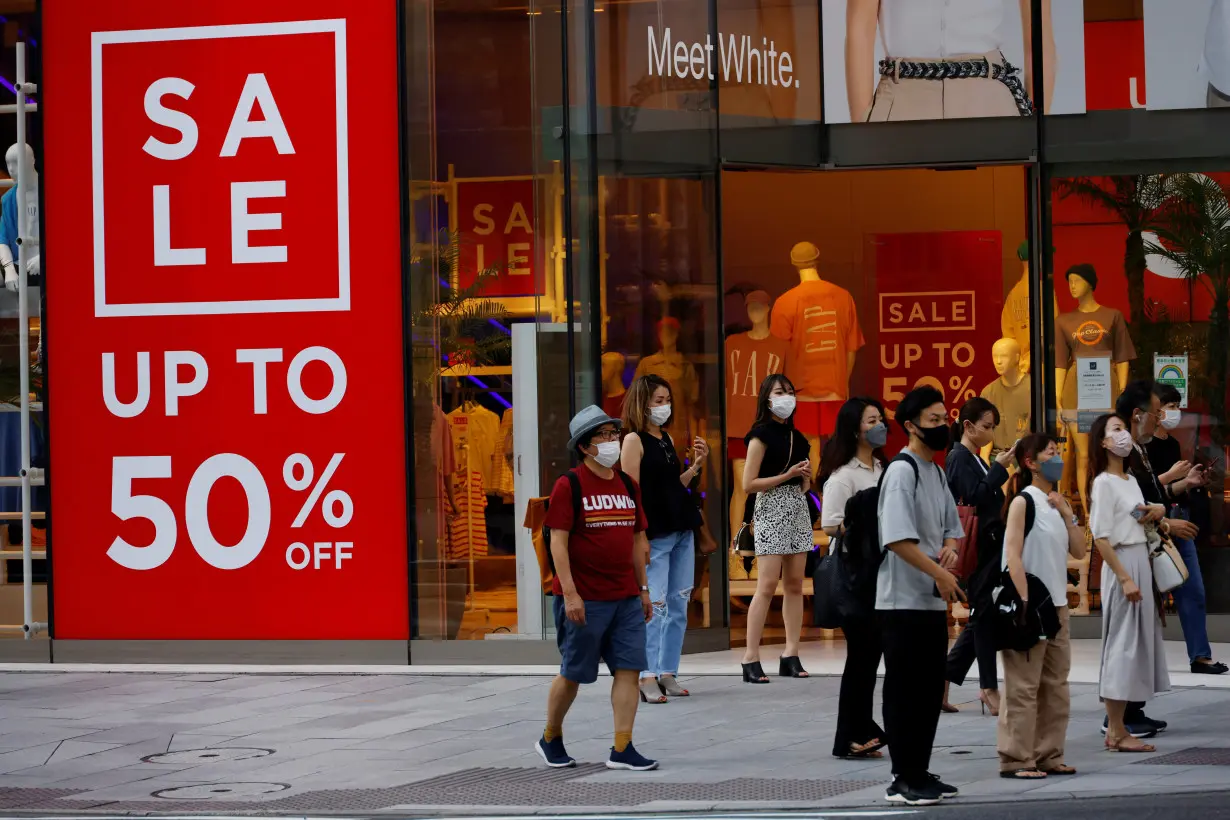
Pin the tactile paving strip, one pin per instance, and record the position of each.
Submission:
(477, 787)
(1212, 756)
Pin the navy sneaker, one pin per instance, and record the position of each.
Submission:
(630, 760)
(1158, 725)
(945, 790)
(904, 793)
(554, 754)
(1139, 730)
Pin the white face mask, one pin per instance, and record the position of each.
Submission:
(660, 415)
(782, 406)
(608, 453)
(1171, 419)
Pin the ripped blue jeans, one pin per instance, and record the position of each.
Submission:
(672, 562)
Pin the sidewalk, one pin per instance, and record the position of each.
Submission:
(403, 742)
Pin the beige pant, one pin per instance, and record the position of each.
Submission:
(898, 99)
(1035, 703)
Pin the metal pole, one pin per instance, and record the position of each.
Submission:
(23, 345)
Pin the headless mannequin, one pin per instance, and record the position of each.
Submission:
(1006, 354)
(1014, 321)
(613, 389)
(670, 364)
(809, 273)
(1086, 302)
(759, 316)
(29, 197)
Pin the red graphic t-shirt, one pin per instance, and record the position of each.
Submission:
(600, 551)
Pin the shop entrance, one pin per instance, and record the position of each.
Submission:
(866, 284)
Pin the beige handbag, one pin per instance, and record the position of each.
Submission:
(1169, 569)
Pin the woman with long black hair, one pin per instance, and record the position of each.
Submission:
(978, 484)
(852, 462)
(778, 470)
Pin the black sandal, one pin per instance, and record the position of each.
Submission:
(1023, 774)
(871, 752)
(791, 667)
(754, 673)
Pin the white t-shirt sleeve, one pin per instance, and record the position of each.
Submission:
(1103, 502)
(897, 508)
(837, 491)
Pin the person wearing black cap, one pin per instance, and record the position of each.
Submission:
(1091, 331)
(601, 602)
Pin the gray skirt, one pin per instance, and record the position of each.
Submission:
(1133, 652)
(780, 522)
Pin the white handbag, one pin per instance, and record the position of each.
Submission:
(1169, 570)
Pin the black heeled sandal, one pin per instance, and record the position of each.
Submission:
(792, 667)
(754, 673)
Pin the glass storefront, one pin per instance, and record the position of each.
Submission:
(1025, 207)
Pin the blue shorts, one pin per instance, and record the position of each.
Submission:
(614, 632)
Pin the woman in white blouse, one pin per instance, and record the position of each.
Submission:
(1033, 717)
(852, 461)
(1133, 654)
(943, 59)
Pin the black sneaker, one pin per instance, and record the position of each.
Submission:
(1210, 668)
(946, 791)
(630, 760)
(1139, 730)
(1142, 719)
(554, 754)
(904, 793)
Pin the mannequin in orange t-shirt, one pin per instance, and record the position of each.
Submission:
(820, 321)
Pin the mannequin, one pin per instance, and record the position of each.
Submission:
(613, 389)
(820, 321)
(1014, 322)
(8, 219)
(1011, 395)
(751, 357)
(1089, 331)
(672, 365)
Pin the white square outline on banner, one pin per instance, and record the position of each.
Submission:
(158, 35)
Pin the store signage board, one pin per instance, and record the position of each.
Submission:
(495, 221)
(221, 222)
(1172, 370)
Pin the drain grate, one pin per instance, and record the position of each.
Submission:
(1192, 757)
(477, 787)
(192, 757)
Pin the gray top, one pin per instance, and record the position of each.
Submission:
(926, 515)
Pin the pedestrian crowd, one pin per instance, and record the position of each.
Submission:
(908, 538)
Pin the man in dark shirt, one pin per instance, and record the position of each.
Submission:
(1182, 482)
(602, 604)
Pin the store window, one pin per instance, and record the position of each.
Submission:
(875, 282)
(20, 26)
(1141, 292)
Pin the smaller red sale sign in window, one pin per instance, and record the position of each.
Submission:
(222, 226)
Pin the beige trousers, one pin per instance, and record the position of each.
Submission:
(1035, 703)
(898, 99)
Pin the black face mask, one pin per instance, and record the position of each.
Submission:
(936, 438)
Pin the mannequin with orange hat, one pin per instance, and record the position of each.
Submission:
(751, 357)
(820, 322)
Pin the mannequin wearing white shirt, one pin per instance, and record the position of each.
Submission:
(935, 30)
(29, 193)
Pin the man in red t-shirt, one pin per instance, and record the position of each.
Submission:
(601, 592)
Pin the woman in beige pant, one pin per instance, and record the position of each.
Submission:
(1034, 709)
(943, 59)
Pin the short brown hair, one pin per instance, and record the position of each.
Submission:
(636, 403)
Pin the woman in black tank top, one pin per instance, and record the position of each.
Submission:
(649, 456)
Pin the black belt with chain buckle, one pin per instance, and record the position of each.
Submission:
(979, 68)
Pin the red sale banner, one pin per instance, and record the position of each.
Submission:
(940, 298)
(495, 220)
(221, 215)
(1114, 64)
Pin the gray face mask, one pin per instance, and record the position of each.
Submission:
(877, 436)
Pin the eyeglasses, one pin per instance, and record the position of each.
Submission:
(606, 435)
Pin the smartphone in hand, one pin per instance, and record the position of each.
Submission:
(1138, 513)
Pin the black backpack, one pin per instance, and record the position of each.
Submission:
(574, 484)
(1018, 626)
(845, 582)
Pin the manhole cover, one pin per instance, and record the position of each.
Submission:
(213, 791)
(222, 754)
(1192, 757)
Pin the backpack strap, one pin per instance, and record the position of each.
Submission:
(1030, 513)
(902, 457)
(574, 484)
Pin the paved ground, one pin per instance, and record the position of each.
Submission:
(330, 744)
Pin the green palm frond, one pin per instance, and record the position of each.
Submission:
(1196, 234)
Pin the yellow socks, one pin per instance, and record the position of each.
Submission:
(552, 732)
(622, 739)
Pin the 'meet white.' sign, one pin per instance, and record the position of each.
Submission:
(741, 59)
